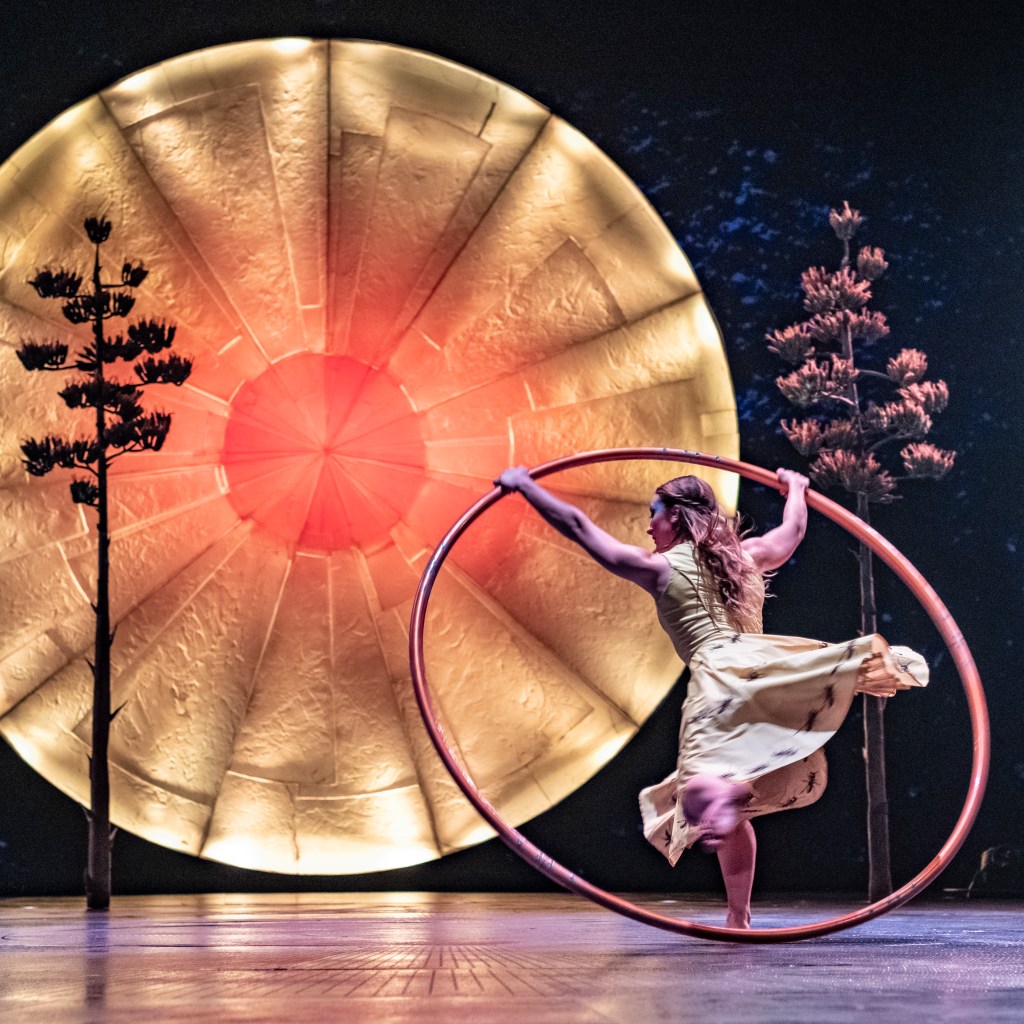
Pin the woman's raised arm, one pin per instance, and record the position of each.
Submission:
(776, 547)
(644, 568)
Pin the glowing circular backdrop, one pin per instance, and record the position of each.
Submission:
(396, 276)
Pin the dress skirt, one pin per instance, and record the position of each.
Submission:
(758, 710)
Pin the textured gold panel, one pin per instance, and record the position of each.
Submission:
(431, 277)
(422, 174)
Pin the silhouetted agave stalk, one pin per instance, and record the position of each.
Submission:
(121, 426)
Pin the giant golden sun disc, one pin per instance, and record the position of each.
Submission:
(395, 276)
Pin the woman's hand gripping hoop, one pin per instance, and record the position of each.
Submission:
(877, 543)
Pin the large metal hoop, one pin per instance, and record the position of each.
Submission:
(556, 872)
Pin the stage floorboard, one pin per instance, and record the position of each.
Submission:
(525, 958)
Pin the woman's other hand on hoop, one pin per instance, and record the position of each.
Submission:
(513, 479)
(791, 480)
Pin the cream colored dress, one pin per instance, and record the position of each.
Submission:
(758, 708)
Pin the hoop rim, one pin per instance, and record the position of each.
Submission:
(553, 870)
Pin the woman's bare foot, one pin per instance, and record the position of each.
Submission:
(880, 674)
(738, 920)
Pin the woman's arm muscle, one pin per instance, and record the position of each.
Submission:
(644, 568)
(776, 547)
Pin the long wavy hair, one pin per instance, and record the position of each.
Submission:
(726, 570)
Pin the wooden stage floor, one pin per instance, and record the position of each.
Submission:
(523, 958)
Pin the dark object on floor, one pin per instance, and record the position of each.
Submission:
(1000, 873)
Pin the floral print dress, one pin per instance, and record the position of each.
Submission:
(758, 708)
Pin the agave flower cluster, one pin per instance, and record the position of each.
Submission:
(126, 427)
(857, 414)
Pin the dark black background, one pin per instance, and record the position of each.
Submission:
(742, 122)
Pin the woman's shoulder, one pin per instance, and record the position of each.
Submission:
(684, 547)
(682, 555)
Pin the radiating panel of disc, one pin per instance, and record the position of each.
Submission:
(395, 276)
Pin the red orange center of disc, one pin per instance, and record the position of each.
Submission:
(322, 452)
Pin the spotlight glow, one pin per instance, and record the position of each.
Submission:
(323, 452)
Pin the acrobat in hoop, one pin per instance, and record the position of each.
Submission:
(563, 876)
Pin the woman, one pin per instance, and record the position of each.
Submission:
(758, 708)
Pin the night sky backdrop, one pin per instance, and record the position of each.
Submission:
(742, 122)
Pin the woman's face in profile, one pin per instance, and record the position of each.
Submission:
(662, 530)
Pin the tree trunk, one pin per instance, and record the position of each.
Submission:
(98, 864)
(879, 867)
(97, 872)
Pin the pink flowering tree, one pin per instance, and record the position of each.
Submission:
(864, 432)
(120, 425)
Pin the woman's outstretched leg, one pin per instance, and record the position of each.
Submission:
(736, 856)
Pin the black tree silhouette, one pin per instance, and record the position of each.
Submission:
(121, 426)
